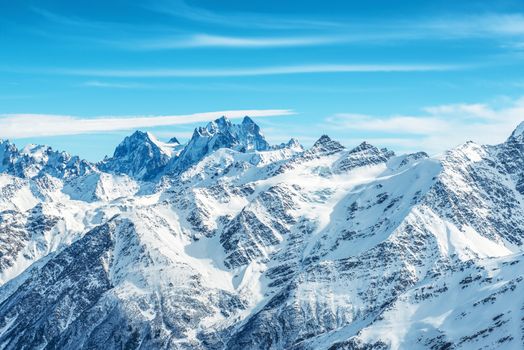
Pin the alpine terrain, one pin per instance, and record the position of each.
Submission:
(228, 242)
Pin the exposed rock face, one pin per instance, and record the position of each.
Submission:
(325, 145)
(229, 243)
(363, 155)
(220, 133)
(138, 156)
(292, 144)
(38, 160)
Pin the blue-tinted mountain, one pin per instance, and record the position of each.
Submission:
(248, 246)
(221, 133)
(140, 156)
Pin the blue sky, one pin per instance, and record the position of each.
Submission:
(411, 75)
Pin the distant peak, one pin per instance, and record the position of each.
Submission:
(173, 140)
(518, 134)
(250, 126)
(140, 155)
(36, 150)
(396, 163)
(30, 147)
(323, 139)
(247, 121)
(363, 146)
(139, 135)
(325, 143)
(7, 144)
(223, 122)
(221, 133)
(134, 141)
(219, 124)
(294, 143)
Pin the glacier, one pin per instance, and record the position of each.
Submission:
(228, 242)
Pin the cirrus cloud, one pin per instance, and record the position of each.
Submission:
(253, 71)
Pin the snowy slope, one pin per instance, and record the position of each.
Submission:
(230, 243)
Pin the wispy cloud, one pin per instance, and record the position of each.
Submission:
(206, 40)
(484, 25)
(157, 34)
(465, 25)
(66, 20)
(162, 37)
(251, 71)
(391, 124)
(30, 125)
(181, 9)
(505, 27)
(439, 127)
(219, 86)
(113, 85)
(275, 30)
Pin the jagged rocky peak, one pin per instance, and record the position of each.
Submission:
(224, 134)
(292, 144)
(6, 145)
(468, 150)
(221, 133)
(132, 142)
(174, 140)
(363, 147)
(364, 154)
(396, 163)
(369, 148)
(326, 144)
(139, 155)
(45, 154)
(250, 125)
(8, 152)
(517, 136)
(35, 160)
(34, 150)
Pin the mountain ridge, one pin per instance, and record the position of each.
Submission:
(247, 245)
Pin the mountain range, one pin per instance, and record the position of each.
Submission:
(228, 242)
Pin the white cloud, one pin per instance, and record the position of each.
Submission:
(205, 40)
(104, 84)
(391, 124)
(31, 125)
(505, 27)
(438, 128)
(463, 110)
(485, 25)
(181, 9)
(255, 71)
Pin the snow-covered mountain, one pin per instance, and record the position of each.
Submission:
(220, 133)
(36, 160)
(227, 242)
(141, 156)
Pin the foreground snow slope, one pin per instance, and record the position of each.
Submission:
(229, 243)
